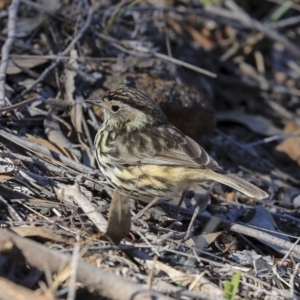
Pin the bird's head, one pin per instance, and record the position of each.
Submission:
(129, 109)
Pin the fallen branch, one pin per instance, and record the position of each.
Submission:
(107, 284)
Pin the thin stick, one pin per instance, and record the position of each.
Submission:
(12, 15)
(74, 270)
(145, 50)
(17, 105)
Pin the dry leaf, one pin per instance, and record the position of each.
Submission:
(26, 62)
(55, 135)
(202, 241)
(3, 4)
(25, 26)
(291, 148)
(291, 127)
(38, 231)
(27, 83)
(119, 219)
(6, 178)
(257, 124)
(6, 166)
(53, 147)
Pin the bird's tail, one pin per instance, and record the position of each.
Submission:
(235, 182)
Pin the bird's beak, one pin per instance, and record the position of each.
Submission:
(98, 102)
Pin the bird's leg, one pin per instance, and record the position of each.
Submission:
(155, 200)
(183, 194)
(201, 204)
(148, 206)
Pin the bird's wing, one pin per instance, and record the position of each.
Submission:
(188, 153)
(197, 154)
(179, 150)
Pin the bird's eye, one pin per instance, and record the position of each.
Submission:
(115, 108)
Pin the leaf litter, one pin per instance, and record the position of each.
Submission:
(63, 216)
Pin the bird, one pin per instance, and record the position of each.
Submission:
(144, 156)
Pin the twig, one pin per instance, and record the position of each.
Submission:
(86, 76)
(145, 50)
(67, 57)
(12, 15)
(184, 64)
(289, 252)
(74, 270)
(60, 55)
(17, 105)
(87, 133)
(292, 281)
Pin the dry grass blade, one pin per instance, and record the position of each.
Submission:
(16, 65)
(38, 232)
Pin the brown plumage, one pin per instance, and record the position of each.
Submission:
(144, 156)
